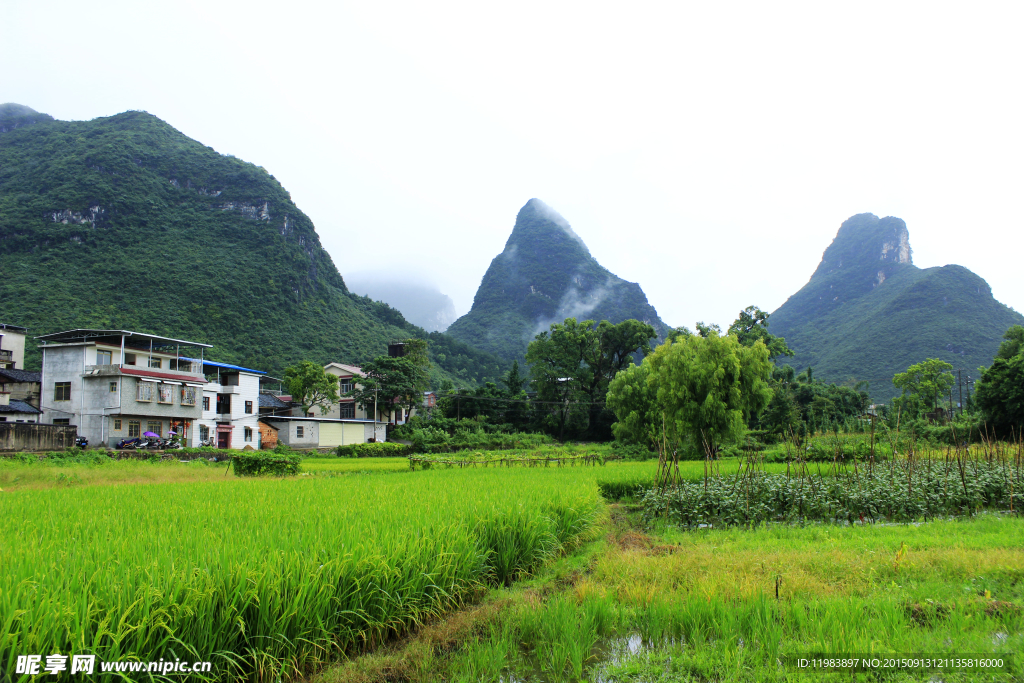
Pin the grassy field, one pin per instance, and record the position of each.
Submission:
(659, 605)
(515, 574)
(268, 578)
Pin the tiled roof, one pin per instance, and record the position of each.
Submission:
(350, 369)
(271, 401)
(19, 407)
(20, 375)
(163, 375)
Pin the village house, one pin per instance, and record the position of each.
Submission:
(231, 407)
(118, 384)
(22, 386)
(12, 347)
(343, 424)
(13, 410)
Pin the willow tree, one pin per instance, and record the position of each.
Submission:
(707, 387)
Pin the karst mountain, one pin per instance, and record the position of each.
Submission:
(545, 274)
(124, 222)
(868, 312)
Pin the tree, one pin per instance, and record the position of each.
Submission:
(310, 385)
(558, 368)
(633, 397)
(751, 326)
(614, 349)
(395, 382)
(923, 384)
(707, 386)
(1000, 391)
(575, 361)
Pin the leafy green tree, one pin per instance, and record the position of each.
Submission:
(633, 397)
(707, 386)
(311, 386)
(752, 325)
(1000, 392)
(575, 361)
(923, 384)
(558, 368)
(614, 348)
(395, 382)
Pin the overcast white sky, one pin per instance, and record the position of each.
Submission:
(708, 151)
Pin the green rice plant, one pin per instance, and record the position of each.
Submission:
(267, 578)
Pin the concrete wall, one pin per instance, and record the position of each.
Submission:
(33, 437)
(310, 438)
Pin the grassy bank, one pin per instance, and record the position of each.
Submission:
(659, 605)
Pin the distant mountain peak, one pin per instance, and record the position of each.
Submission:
(869, 312)
(13, 115)
(544, 275)
(537, 216)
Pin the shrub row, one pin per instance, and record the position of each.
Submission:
(257, 464)
(379, 449)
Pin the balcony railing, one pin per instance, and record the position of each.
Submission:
(6, 354)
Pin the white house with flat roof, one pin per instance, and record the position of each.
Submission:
(231, 406)
(117, 384)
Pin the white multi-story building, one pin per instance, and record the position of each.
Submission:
(231, 407)
(118, 384)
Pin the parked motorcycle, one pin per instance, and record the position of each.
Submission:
(128, 444)
(207, 443)
(81, 442)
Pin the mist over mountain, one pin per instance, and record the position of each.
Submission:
(544, 275)
(868, 312)
(124, 222)
(420, 302)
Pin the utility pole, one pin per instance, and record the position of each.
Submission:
(959, 386)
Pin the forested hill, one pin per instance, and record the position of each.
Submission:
(124, 222)
(545, 274)
(868, 312)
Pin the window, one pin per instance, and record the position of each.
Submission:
(129, 359)
(62, 421)
(206, 402)
(134, 429)
(113, 387)
(248, 407)
(188, 396)
(62, 391)
(348, 411)
(155, 427)
(144, 391)
(204, 432)
(345, 387)
(165, 393)
(156, 362)
(224, 404)
(298, 432)
(103, 357)
(117, 425)
(248, 433)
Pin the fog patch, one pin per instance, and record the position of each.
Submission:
(416, 296)
(576, 303)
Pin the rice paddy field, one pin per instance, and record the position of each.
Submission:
(365, 570)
